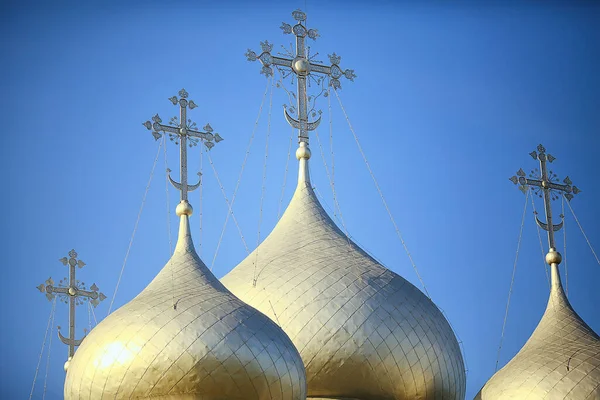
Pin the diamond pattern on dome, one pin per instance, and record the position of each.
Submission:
(209, 346)
(561, 359)
(363, 331)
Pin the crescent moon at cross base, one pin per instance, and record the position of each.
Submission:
(310, 126)
(545, 227)
(190, 188)
(65, 340)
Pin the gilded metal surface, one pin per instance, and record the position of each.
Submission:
(74, 292)
(561, 359)
(363, 331)
(302, 66)
(186, 337)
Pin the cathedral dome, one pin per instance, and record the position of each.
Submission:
(363, 331)
(561, 359)
(185, 336)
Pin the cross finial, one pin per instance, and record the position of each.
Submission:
(74, 292)
(545, 184)
(301, 65)
(180, 131)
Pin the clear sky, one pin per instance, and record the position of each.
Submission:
(448, 102)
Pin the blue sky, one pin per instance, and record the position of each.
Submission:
(448, 102)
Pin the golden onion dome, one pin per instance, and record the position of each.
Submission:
(185, 336)
(363, 331)
(561, 359)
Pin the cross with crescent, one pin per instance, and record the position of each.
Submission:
(75, 293)
(544, 185)
(302, 67)
(180, 131)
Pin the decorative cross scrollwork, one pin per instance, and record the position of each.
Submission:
(180, 130)
(302, 67)
(74, 292)
(545, 184)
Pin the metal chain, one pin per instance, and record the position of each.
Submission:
(134, 229)
(584, 235)
(274, 313)
(230, 213)
(94, 315)
(200, 204)
(331, 139)
(37, 368)
(49, 349)
(169, 233)
(336, 204)
(237, 185)
(562, 339)
(89, 316)
(381, 195)
(541, 244)
(565, 245)
(512, 280)
(263, 186)
(287, 163)
(329, 209)
(458, 339)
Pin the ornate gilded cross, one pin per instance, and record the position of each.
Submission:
(180, 131)
(544, 182)
(71, 290)
(302, 67)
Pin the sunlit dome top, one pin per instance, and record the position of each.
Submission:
(561, 359)
(211, 346)
(185, 336)
(363, 331)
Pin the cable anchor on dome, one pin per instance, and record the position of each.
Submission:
(545, 184)
(181, 130)
(301, 65)
(73, 292)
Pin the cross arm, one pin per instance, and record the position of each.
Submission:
(334, 71)
(267, 59)
(54, 289)
(322, 69)
(284, 62)
(87, 293)
(549, 185)
(156, 127)
(201, 135)
(165, 128)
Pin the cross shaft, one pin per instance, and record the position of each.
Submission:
(544, 185)
(302, 67)
(73, 292)
(180, 132)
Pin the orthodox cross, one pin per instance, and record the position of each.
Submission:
(71, 290)
(302, 67)
(180, 131)
(544, 182)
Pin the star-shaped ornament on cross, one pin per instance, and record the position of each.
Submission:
(302, 67)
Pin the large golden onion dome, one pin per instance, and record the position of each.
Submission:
(186, 337)
(561, 359)
(363, 331)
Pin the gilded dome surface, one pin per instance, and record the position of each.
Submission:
(210, 346)
(363, 331)
(561, 359)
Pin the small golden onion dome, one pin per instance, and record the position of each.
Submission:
(561, 359)
(364, 332)
(186, 337)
